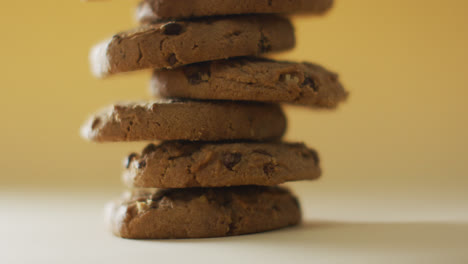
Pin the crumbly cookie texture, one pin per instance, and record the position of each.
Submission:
(167, 9)
(190, 164)
(202, 212)
(186, 120)
(172, 44)
(252, 79)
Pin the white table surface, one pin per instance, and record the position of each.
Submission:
(62, 227)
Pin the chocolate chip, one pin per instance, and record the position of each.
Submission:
(117, 38)
(311, 154)
(149, 149)
(142, 164)
(172, 29)
(231, 159)
(96, 123)
(269, 168)
(311, 83)
(172, 59)
(129, 160)
(235, 33)
(129, 127)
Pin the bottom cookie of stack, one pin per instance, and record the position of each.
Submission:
(202, 212)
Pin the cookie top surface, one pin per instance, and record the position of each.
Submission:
(252, 79)
(168, 9)
(192, 164)
(186, 120)
(202, 212)
(172, 44)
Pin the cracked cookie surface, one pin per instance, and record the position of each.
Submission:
(177, 43)
(186, 120)
(167, 9)
(252, 79)
(202, 212)
(192, 164)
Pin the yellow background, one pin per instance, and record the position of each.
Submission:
(401, 136)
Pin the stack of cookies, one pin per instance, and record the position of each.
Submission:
(219, 124)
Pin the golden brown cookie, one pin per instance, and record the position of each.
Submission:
(190, 164)
(252, 79)
(203, 212)
(172, 44)
(186, 120)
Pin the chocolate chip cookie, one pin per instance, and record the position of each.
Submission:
(172, 44)
(203, 212)
(186, 120)
(191, 164)
(252, 79)
(168, 9)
